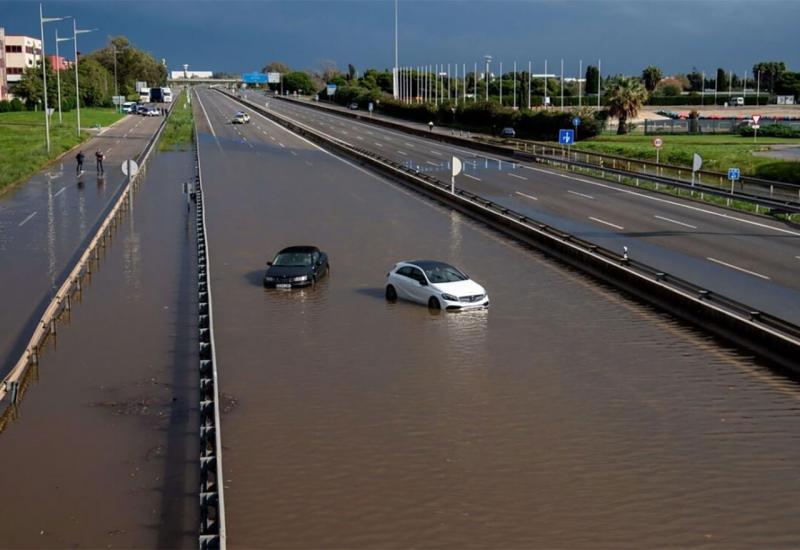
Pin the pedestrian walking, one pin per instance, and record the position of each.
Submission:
(99, 156)
(430, 125)
(79, 157)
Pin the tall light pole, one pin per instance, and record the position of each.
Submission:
(488, 59)
(580, 70)
(599, 80)
(530, 76)
(562, 84)
(58, 74)
(42, 21)
(475, 83)
(515, 85)
(75, 33)
(501, 83)
(394, 72)
(116, 87)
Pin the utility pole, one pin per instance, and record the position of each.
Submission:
(562, 84)
(515, 85)
(501, 83)
(116, 86)
(43, 59)
(58, 76)
(529, 85)
(475, 83)
(488, 59)
(544, 101)
(599, 80)
(580, 70)
(75, 33)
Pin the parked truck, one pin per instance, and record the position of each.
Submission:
(144, 95)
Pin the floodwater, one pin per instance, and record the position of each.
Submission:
(104, 450)
(564, 416)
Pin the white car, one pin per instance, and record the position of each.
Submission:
(435, 284)
(241, 118)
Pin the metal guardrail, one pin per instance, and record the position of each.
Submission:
(15, 382)
(212, 482)
(771, 337)
(776, 196)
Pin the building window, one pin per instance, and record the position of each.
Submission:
(14, 70)
(13, 49)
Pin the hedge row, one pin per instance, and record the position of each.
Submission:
(15, 104)
(770, 130)
(700, 100)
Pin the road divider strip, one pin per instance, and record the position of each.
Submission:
(772, 338)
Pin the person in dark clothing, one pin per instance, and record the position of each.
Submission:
(79, 157)
(99, 156)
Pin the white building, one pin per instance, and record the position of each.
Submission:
(3, 83)
(21, 52)
(190, 74)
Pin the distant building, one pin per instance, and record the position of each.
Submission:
(59, 63)
(190, 74)
(22, 52)
(3, 83)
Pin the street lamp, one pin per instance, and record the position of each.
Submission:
(488, 59)
(75, 33)
(42, 21)
(58, 74)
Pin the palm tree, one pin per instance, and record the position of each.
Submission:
(626, 97)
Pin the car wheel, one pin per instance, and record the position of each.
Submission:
(391, 293)
(433, 303)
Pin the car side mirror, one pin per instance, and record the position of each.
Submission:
(423, 283)
(269, 263)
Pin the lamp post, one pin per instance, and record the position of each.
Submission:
(394, 73)
(75, 33)
(42, 21)
(488, 59)
(58, 74)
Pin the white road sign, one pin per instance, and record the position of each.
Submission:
(134, 168)
(756, 118)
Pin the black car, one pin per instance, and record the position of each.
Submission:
(508, 132)
(296, 266)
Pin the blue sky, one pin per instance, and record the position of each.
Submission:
(240, 36)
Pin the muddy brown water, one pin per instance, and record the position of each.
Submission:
(564, 416)
(104, 449)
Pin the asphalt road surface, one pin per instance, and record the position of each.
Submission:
(44, 221)
(749, 258)
(565, 415)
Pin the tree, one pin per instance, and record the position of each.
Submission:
(625, 98)
(651, 75)
(788, 84)
(275, 67)
(298, 81)
(132, 65)
(94, 79)
(771, 72)
(592, 79)
(695, 79)
(722, 79)
(351, 72)
(30, 86)
(669, 87)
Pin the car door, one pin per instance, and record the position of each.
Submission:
(418, 287)
(402, 281)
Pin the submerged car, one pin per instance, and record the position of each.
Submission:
(296, 266)
(508, 132)
(240, 118)
(435, 284)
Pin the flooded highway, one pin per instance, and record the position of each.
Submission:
(564, 416)
(104, 449)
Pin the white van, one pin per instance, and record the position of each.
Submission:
(737, 101)
(167, 95)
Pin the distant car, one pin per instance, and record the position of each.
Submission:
(129, 107)
(240, 118)
(435, 284)
(142, 110)
(737, 101)
(152, 111)
(353, 106)
(296, 266)
(508, 132)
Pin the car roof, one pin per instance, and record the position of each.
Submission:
(427, 264)
(300, 249)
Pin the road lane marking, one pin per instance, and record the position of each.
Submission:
(60, 191)
(432, 163)
(294, 153)
(282, 145)
(436, 152)
(516, 176)
(526, 195)
(580, 194)
(309, 163)
(210, 127)
(26, 220)
(360, 137)
(407, 143)
(378, 144)
(743, 270)
(676, 221)
(402, 152)
(615, 226)
(472, 177)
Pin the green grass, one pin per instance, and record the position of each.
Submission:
(22, 139)
(719, 152)
(179, 134)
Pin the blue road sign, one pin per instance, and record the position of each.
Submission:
(733, 174)
(576, 121)
(331, 89)
(254, 78)
(566, 137)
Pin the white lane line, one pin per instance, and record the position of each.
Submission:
(26, 220)
(210, 127)
(667, 201)
(307, 162)
(743, 270)
(615, 226)
(282, 145)
(472, 177)
(60, 191)
(272, 138)
(676, 221)
(526, 195)
(360, 137)
(432, 163)
(580, 194)
(402, 152)
(436, 152)
(370, 133)
(516, 176)
(378, 144)
(292, 152)
(407, 143)
(798, 257)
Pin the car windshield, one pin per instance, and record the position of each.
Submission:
(444, 274)
(293, 259)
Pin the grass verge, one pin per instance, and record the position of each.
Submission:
(179, 133)
(719, 152)
(22, 139)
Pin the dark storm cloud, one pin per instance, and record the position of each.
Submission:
(626, 34)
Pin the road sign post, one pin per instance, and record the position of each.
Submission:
(697, 163)
(658, 143)
(566, 137)
(455, 166)
(733, 175)
(370, 107)
(756, 126)
(576, 122)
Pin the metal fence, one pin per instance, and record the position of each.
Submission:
(707, 125)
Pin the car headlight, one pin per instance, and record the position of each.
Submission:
(300, 279)
(269, 279)
(449, 297)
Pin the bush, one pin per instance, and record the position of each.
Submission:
(17, 105)
(780, 171)
(770, 130)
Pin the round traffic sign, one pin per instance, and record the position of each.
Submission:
(658, 143)
(133, 165)
(576, 121)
